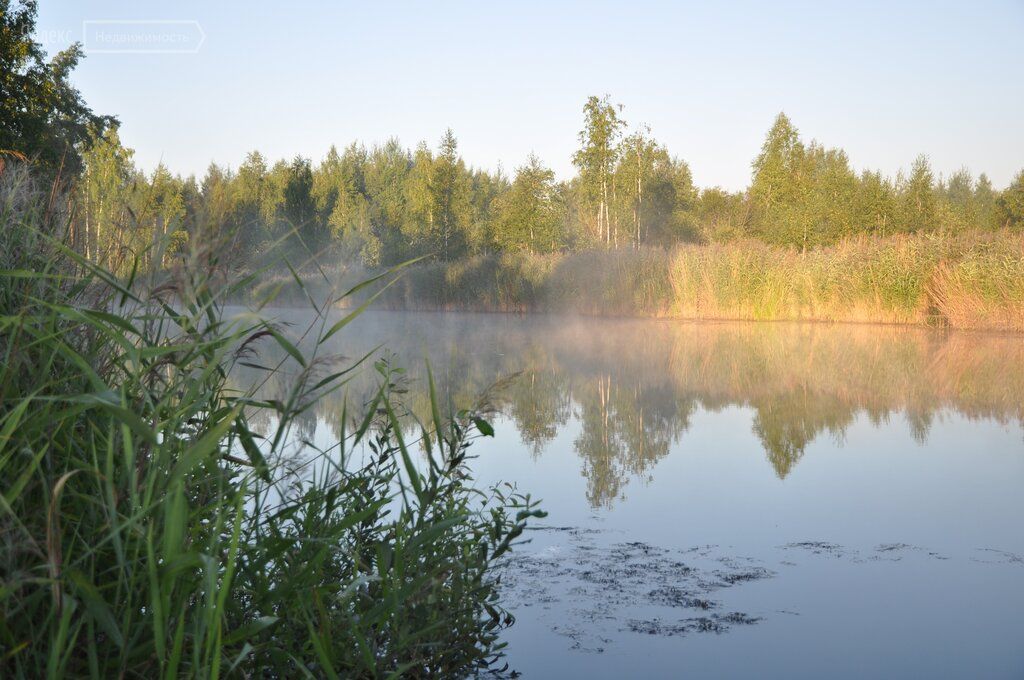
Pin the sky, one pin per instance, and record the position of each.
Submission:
(885, 81)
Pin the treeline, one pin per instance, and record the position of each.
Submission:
(387, 203)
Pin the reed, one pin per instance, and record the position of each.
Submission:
(972, 280)
(148, 530)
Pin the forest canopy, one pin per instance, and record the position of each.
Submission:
(388, 203)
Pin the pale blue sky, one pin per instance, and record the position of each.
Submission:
(883, 80)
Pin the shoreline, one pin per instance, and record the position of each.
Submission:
(965, 281)
(695, 320)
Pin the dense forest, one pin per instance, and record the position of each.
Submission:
(387, 204)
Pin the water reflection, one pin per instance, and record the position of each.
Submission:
(632, 386)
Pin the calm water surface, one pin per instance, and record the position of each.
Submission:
(742, 500)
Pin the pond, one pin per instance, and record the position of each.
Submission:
(740, 499)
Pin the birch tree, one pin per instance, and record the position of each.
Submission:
(596, 160)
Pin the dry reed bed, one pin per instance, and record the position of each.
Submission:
(972, 280)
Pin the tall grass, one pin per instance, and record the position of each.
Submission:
(146, 530)
(863, 280)
(972, 280)
(984, 290)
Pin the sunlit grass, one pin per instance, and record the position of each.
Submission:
(971, 280)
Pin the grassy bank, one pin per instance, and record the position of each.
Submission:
(973, 280)
(149, 531)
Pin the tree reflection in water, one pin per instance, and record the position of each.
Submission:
(634, 385)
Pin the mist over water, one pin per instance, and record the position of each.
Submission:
(736, 499)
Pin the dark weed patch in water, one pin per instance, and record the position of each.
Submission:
(895, 552)
(715, 623)
(569, 530)
(890, 552)
(593, 591)
(673, 596)
(596, 591)
(817, 548)
(1000, 557)
(732, 578)
(890, 547)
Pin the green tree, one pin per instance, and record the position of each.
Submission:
(298, 207)
(722, 215)
(450, 195)
(437, 193)
(638, 155)
(213, 220)
(103, 194)
(327, 181)
(831, 186)
(42, 115)
(777, 188)
(596, 159)
(159, 209)
(985, 200)
(387, 169)
(215, 197)
(249, 216)
(652, 190)
(349, 222)
(192, 198)
(485, 191)
(272, 201)
(684, 204)
(1011, 203)
(958, 194)
(874, 207)
(917, 198)
(527, 215)
(420, 215)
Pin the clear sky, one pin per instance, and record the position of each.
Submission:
(883, 80)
